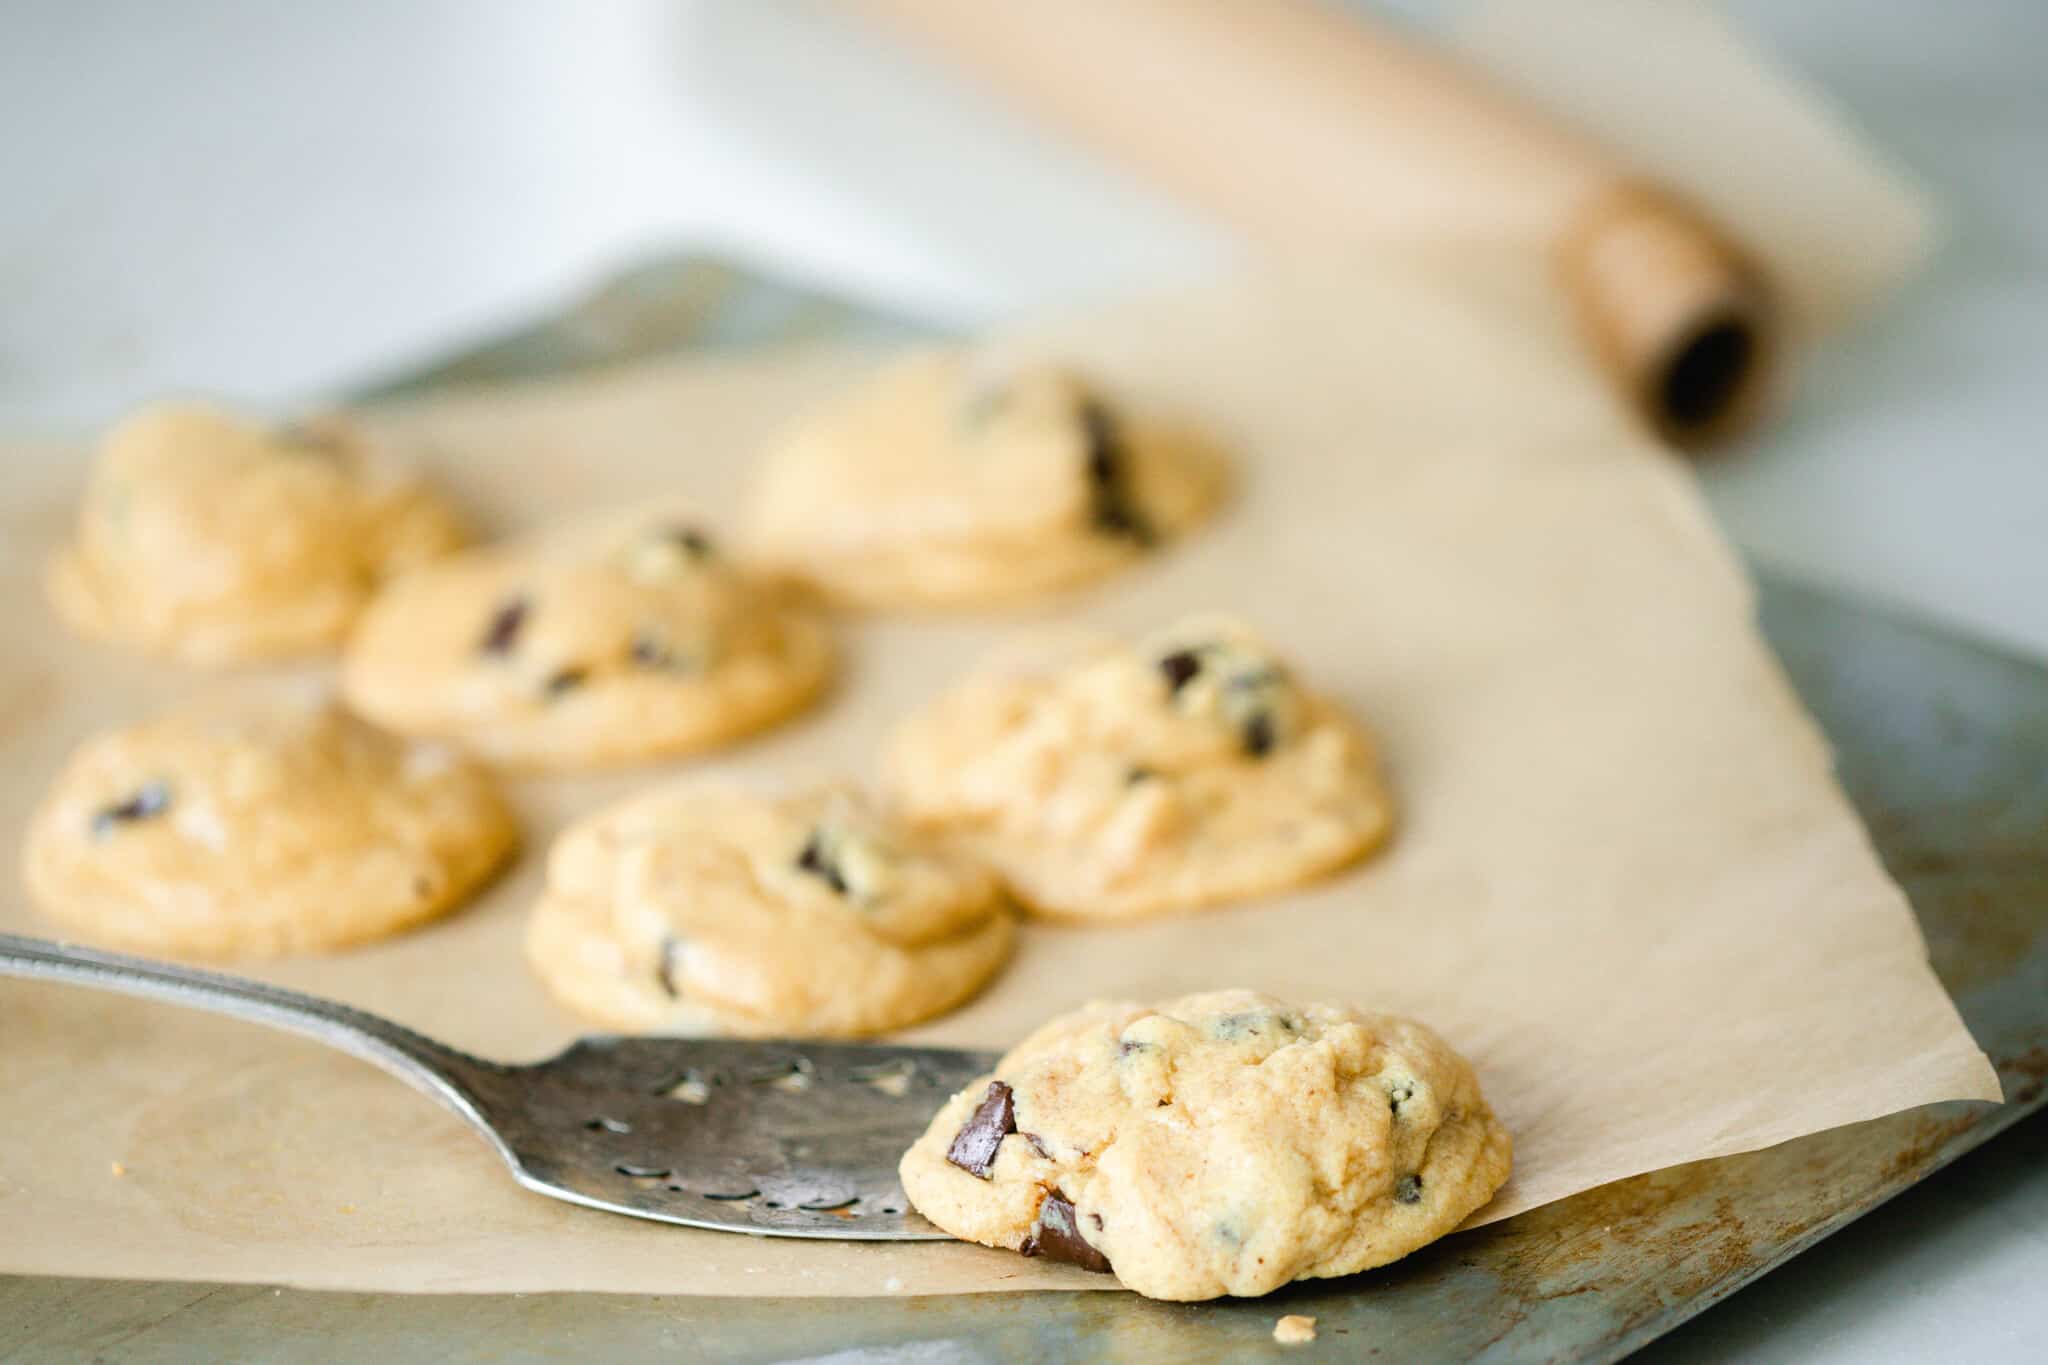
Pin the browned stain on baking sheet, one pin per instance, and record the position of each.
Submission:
(1598, 1240)
(1989, 923)
(2025, 1076)
(1683, 1235)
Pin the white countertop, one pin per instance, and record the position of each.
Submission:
(270, 200)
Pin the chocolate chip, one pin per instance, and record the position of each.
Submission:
(1399, 1094)
(1110, 508)
(1104, 453)
(1114, 516)
(1057, 1236)
(1140, 773)
(649, 652)
(151, 799)
(1408, 1190)
(1037, 1145)
(1258, 734)
(564, 680)
(1233, 1028)
(975, 1145)
(1180, 668)
(817, 860)
(1125, 1047)
(669, 966)
(503, 631)
(697, 544)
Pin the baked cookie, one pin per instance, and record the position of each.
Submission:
(623, 639)
(1217, 1144)
(943, 483)
(702, 908)
(216, 539)
(257, 827)
(1185, 770)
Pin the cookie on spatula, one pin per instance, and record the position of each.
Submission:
(1224, 1143)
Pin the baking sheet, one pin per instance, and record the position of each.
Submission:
(1626, 884)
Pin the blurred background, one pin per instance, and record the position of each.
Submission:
(276, 201)
(271, 201)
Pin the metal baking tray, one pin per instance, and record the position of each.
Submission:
(1942, 745)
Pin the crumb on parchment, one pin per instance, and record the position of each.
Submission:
(1294, 1330)
(118, 1169)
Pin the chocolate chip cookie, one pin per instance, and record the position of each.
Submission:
(1224, 1143)
(705, 908)
(258, 826)
(1187, 769)
(627, 638)
(214, 538)
(953, 480)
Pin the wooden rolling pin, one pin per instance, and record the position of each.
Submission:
(1311, 129)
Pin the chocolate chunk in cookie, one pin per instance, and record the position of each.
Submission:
(1111, 508)
(1057, 1236)
(1248, 690)
(694, 541)
(1250, 1024)
(817, 860)
(565, 680)
(502, 634)
(150, 800)
(1180, 668)
(649, 650)
(975, 1146)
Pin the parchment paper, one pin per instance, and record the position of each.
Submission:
(1625, 883)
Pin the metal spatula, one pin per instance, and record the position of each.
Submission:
(784, 1139)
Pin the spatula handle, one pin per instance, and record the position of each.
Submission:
(446, 1074)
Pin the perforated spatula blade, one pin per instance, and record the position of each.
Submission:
(783, 1139)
